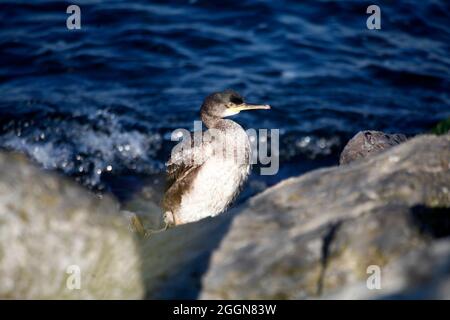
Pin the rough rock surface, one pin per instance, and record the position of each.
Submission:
(368, 143)
(316, 235)
(48, 224)
(420, 274)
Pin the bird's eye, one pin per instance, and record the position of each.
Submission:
(236, 100)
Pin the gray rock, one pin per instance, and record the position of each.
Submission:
(419, 274)
(368, 143)
(315, 236)
(48, 224)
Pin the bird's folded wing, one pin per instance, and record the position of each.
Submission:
(182, 167)
(188, 155)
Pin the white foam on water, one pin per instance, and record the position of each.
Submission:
(87, 150)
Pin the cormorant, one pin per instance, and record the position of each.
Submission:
(204, 177)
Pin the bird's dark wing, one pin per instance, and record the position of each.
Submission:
(182, 168)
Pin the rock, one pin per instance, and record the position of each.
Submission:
(369, 143)
(47, 225)
(420, 274)
(315, 236)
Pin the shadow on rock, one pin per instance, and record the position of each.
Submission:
(174, 261)
(434, 221)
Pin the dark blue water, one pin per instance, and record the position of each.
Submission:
(99, 104)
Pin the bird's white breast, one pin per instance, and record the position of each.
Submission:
(215, 186)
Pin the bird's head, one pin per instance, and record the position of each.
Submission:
(227, 103)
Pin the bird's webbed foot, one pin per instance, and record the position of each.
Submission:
(149, 232)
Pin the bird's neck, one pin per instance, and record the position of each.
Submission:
(212, 122)
(232, 141)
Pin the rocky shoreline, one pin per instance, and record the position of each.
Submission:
(313, 236)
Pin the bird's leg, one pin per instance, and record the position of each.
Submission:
(138, 227)
(168, 221)
(149, 232)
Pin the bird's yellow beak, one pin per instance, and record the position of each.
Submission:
(246, 106)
